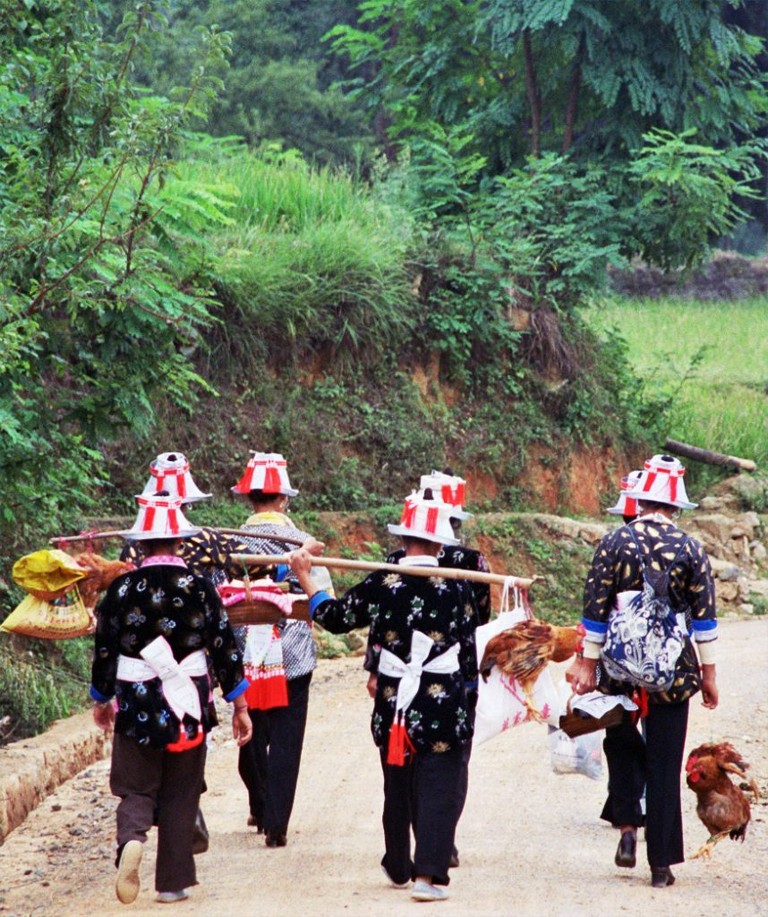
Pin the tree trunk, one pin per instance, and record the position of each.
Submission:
(711, 458)
(532, 90)
(573, 95)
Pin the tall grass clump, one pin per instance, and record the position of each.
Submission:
(310, 263)
(708, 360)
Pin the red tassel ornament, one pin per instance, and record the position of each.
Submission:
(400, 745)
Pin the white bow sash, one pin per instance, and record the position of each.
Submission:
(409, 673)
(176, 677)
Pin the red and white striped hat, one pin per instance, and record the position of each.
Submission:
(159, 517)
(661, 481)
(626, 506)
(170, 471)
(267, 472)
(427, 519)
(449, 488)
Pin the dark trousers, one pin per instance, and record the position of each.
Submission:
(163, 787)
(656, 763)
(466, 754)
(269, 764)
(423, 796)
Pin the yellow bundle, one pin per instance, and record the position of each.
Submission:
(47, 574)
(58, 620)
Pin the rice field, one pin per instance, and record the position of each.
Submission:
(710, 358)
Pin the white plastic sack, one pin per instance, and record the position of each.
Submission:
(582, 755)
(501, 702)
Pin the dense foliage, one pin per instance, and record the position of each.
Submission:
(279, 79)
(102, 255)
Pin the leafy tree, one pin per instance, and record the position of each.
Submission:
(104, 276)
(525, 76)
(277, 81)
(511, 81)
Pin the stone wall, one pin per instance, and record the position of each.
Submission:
(34, 768)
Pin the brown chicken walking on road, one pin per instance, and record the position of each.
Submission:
(722, 806)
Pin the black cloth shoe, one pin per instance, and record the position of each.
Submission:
(200, 837)
(273, 839)
(661, 876)
(626, 852)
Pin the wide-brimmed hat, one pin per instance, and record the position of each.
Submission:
(661, 481)
(160, 517)
(427, 519)
(626, 506)
(170, 472)
(267, 472)
(449, 488)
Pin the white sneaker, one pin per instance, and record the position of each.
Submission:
(171, 897)
(392, 881)
(128, 881)
(423, 891)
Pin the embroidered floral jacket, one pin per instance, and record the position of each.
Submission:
(395, 605)
(462, 558)
(618, 567)
(166, 600)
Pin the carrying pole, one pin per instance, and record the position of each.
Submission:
(95, 536)
(343, 563)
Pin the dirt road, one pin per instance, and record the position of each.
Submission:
(530, 841)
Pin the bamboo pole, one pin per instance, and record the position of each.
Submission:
(344, 563)
(95, 536)
(85, 536)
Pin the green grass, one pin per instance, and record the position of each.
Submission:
(309, 257)
(709, 358)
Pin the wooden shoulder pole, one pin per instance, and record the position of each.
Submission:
(344, 563)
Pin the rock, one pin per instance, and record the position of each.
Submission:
(758, 587)
(591, 532)
(726, 591)
(716, 525)
(723, 569)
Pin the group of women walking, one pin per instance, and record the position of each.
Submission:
(163, 641)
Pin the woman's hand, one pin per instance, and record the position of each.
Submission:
(242, 727)
(371, 684)
(314, 546)
(301, 564)
(710, 696)
(583, 676)
(104, 715)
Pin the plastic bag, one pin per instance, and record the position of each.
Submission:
(58, 620)
(47, 574)
(502, 703)
(582, 755)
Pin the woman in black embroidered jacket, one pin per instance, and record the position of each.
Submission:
(421, 635)
(156, 629)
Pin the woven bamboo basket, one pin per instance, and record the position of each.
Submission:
(259, 611)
